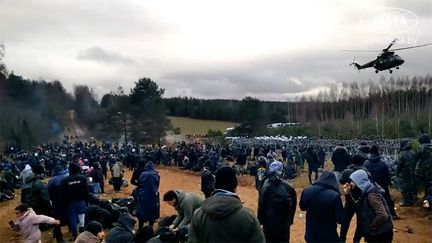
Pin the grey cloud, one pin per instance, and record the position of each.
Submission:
(281, 76)
(98, 54)
(421, 8)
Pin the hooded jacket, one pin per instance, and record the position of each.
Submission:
(124, 231)
(378, 169)
(26, 173)
(87, 237)
(276, 208)
(374, 214)
(28, 224)
(222, 218)
(187, 203)
(55, 192)
(340, 158)
(148, 205)
(324, 208)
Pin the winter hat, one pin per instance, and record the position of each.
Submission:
(94, 227)
(361, 179)
(276, 166)
(424, 139)
(226, 179)
(74, 168)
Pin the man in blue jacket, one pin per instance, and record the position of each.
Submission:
(323, 205)
(58, 209)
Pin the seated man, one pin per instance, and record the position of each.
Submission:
(184, 203)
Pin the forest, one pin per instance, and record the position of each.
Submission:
(390, 108)
(33, 112)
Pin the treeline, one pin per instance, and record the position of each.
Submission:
(390, 108)
(31, 112)
(35, 112)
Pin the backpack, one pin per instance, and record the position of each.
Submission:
(367, 214)
(33, 197)
(260, 178)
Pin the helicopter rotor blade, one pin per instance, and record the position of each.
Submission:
(361, 50)
(410, 47)
(390, 45)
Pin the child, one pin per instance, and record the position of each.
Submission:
(28, 223)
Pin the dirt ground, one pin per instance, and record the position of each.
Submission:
(173, 178)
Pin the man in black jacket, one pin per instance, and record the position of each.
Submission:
(324, 208)
(276, 206)
(75, 195)
(207, 180)
(340, 158)
(350, 206)
(380, 174)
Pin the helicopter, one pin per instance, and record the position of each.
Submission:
(386, 60)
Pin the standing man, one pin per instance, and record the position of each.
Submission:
(323, 205)
(75, 197)
(148, 206)
(423, 169)
(341, 159)
(405, 172)
(55, 194)
(222, 217)
(350, 205)
(276, 205)
(380, 174)
(207, 180)
(375, 220)
(313, 163)
(117, 174)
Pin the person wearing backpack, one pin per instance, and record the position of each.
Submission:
(35, 193)
(276, 205)
(375, 219)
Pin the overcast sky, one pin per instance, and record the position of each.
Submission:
(272, 50)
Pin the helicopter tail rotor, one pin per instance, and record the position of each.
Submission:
(353, 63)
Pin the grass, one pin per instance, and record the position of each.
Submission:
(198, 126)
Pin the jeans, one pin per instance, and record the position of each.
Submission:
(96, 187)
(75, 214)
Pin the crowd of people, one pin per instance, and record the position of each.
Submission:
(362, 173)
